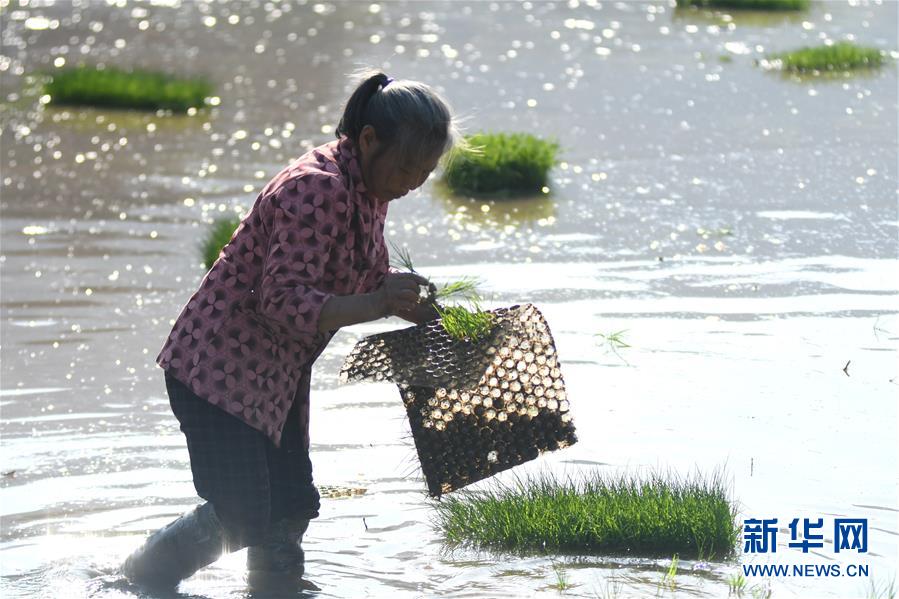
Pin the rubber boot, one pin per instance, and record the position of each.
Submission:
(176, 551)
(279, 561)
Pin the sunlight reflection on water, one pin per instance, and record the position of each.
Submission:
(739, 226)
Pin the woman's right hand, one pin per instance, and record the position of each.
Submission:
(400, 293)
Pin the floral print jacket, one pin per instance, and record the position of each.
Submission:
(247, 338)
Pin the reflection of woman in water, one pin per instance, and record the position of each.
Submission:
(308, 259)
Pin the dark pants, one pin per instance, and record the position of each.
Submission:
(251, 483)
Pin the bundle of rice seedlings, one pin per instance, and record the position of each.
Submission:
(625, 514)
(459, 321)
(842, 56)
(116, 88)
(501, 164)
(465, 323)
(217, 237)
(778, 5)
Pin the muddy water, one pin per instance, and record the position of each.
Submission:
(740, 226)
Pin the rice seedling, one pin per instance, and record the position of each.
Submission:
(668, 580)
(116, 88)
(877, 329)
(217, 237)
(760, 592)
(717, 232)
(462, 323)
(612, 342)
(562, 583)
(465, 288)
(401, 259)
(501, 164)
(842, 56)
(735, 585)
(610, 590)
(885, 591)
(649, 516)
(775, 5)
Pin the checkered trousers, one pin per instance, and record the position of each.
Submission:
(250, 482)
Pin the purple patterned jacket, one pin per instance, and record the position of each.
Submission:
(246, 340)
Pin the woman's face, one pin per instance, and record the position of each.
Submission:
(386, 176)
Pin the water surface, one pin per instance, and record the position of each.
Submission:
(739, 225)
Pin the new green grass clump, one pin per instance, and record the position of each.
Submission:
(115, 88)
(747, 4)
(217, 237)
(501, 164)
(624, 515)
(842, 56)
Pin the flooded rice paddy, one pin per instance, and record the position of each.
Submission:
(739, 225)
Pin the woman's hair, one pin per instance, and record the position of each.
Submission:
(407, 116)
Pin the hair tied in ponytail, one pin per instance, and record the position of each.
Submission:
(412, 120)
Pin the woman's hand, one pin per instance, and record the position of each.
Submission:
(400, 293)
(421, 313)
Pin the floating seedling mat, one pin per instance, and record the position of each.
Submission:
(476, 407)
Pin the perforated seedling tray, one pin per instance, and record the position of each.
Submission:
(475, 407)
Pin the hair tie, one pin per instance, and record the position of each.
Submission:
(388, 82)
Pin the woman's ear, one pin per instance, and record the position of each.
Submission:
(368, 140)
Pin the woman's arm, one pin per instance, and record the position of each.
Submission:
(399, 295)
(303, 223)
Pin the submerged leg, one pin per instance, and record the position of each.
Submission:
(279, 560)
(177, 550)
